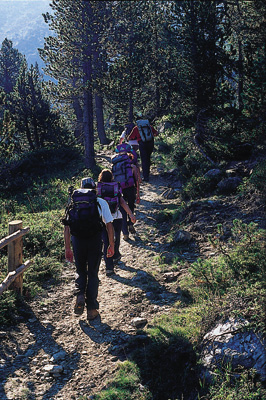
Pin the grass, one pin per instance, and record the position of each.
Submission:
(229, 387)
(126, 385)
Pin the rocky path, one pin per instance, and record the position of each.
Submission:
(52, 354)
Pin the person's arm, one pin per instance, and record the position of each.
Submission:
(125, 206)
(68, 251)
(136, 178)
(122, 137)
(110, 233)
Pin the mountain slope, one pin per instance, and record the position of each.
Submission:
(23, 23)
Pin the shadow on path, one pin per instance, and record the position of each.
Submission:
(154, 291)
(43, 340)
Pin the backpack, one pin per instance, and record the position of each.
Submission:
(82, 214)
(122, 170)
(126, 148)
(109, 191)
(145, 130)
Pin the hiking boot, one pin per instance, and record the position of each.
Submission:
(126, 237)
(110, 272)
(80, 304)
(92, 314)
(131, 229)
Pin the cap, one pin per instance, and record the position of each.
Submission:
(88, 183)
(123, 147)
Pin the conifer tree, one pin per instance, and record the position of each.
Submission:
(71, 57)
(10, 63)
(32, 113)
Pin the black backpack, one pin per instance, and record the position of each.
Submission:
(82, 214)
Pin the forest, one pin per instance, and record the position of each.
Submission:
(196, 70)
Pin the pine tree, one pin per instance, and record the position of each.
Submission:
(10, 63)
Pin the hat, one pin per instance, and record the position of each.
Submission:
(88, 183)
(123, 147)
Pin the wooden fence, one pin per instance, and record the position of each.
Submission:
(15, 266)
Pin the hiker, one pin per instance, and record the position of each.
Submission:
(125, 172)
(85, 216)
(124, 136)
(111, 191)
(144, 133)
(132, 143)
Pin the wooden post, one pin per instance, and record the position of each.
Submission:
(15, 255)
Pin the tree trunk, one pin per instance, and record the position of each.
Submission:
(240, 76)
(78, 133)
(87, 92)
(28, 134)
(100, 119)
(88, 122)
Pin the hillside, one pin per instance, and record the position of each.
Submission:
(52, 354)
(23, 23)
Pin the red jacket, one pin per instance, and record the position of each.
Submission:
(134, 135)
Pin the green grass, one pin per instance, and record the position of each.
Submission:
(126, 385)
(228, 386)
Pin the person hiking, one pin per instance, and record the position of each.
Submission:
(124, 136)
(83, 223)
(144, 133)
(125, 172)
(111, 191)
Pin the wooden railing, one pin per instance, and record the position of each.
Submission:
(15, 266)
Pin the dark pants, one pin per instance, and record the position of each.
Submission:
(146, 149)
(109, 261)
(129, 195)
(88, 253)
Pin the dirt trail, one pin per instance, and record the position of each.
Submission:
(52, 354)
(85, 355)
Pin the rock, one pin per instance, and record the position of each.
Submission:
(53, 369)
(169, 277)
(164, 126)
(182, 237)
(213, 173)
(229, 343)
(229, 185)
(169, 193)
(58, 356)
(139, 322)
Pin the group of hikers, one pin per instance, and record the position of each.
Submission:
(97, 213)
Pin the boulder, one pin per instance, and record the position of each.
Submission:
(213, 173)
(182, 237)
(229, 185)
(232, 343)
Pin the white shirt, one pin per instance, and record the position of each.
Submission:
(104, 210)
(117, 214)
(131, 142)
